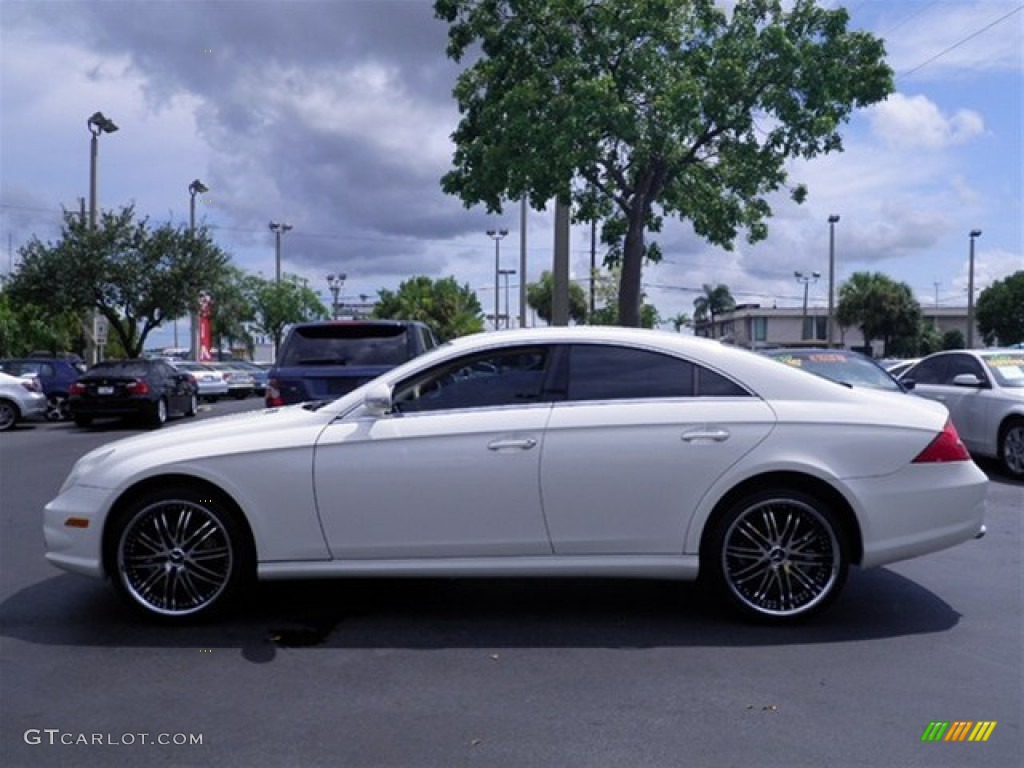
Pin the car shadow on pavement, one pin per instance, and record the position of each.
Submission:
(428, 614)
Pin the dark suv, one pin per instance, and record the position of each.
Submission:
(55, 374)
(323, 361)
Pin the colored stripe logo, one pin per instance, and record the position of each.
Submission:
(958, 730)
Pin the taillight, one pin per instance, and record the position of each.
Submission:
(76, 389)
(273, 395)
(946, 446)
(138, 387)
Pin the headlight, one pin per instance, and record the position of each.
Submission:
(84, 465)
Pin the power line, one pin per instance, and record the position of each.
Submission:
(960, 42)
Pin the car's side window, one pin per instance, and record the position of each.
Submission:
(513, 376)
(931, 371)
(959, 364)
(604, 372)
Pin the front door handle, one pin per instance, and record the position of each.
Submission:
(523, 444)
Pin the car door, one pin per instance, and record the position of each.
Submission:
(636, 444)
(933, 379)
(452, 472)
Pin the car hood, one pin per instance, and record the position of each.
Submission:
(183, 445)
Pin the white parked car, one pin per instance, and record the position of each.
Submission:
(542, 452)
(211, 382)
(21, 399)
(241, 383)
(984, 391)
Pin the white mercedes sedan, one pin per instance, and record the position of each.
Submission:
(545, 452)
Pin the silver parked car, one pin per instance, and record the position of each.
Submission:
(212, 383)
(984, 392)
(21, 398)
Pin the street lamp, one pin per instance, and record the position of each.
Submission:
(278, 228)
(806, 280)
(195, 188)
(508, 314)
(497, 235)
(335, 283)
(831, 273)
(975, 233)
(98, 123)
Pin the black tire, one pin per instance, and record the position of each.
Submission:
(179, 554)
(777, 555)
(159, 415)
(82, 421)
(193, 405)
(9, 415)
(1011, 448)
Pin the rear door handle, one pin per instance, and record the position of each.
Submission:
(703, 435)
(507, 444)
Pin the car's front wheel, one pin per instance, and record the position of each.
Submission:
(1011, 448)
(179, 554)
(778, 555)
(193, 405)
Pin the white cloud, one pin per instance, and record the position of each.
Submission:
(916, 121)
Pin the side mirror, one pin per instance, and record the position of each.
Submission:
(967, 380)
(377, 399)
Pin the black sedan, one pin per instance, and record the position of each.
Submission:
(148, 390)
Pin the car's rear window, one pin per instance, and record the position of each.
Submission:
(837, 366)
(347, 345)
(119, 369)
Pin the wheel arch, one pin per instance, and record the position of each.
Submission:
(797, 481)
(151, 484)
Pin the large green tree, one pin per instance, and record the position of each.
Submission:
(540, 295)
(1000, 311)
(651, 109)
(882, 309)
(136, 275)
(716, 300)
(276, 305)
(451, 310)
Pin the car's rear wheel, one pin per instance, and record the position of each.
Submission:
(57, 408)
(1011, 448)
(778, 555)
(193, 405)
(8, 415)
(179, 554)
(159, 417)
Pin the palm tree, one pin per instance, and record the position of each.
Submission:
(715, 301)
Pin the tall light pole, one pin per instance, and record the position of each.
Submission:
(497, 235)
(98, 123)
(806, 280)
(336, 283)
(508, 307)
(975, 233)
(830, 321)
(522, 262)
(278, 228)
(195, 188)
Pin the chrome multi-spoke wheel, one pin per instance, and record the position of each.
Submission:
(178, 555)
(1011, 448)
(780, 555)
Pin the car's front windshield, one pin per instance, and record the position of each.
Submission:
(1007, 369)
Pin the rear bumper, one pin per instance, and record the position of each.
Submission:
(119, 407)
(923, 508)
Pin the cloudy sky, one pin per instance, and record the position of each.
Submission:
(335, 116)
